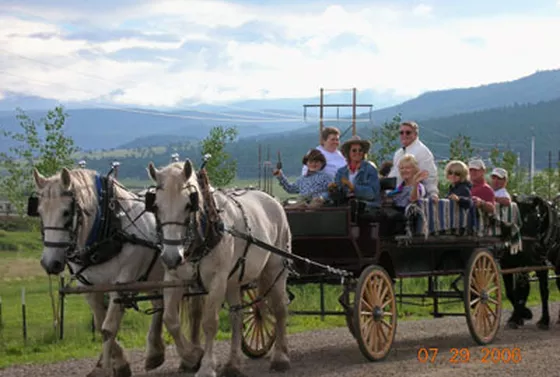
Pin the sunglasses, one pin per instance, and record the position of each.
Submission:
(405, 132)
(455, 173)
(356, 150)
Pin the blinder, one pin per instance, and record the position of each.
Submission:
(149, 201)
(33, 206)
(193, 198)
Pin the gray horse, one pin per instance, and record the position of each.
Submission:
(78, 210)
(182, 214)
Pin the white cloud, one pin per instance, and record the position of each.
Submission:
(407, 50)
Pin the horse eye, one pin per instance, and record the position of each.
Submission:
(66, 213)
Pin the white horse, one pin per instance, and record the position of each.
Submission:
(74, 216)
(181, 221)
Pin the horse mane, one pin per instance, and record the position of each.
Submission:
(83, 185)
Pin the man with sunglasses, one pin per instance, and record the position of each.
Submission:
(410, 144)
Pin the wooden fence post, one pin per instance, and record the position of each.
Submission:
(23, 315)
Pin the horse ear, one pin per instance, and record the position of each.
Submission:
(188, 169)
(152, 171)
(65, 177)
(40, 180)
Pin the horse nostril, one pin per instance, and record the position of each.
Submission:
(57, 267)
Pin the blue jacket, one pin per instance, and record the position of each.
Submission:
(366, 183)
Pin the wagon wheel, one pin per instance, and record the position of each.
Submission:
(375, 313)
(259, 330)
(483, 296)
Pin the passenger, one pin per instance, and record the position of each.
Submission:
(411, 189)
(412, 145)
(330, 139)
(358, 178)
(457, 174)
(313, 186)
(482, 194)
(499, 178)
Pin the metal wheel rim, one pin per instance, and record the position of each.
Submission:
(259, 331)
(377, 332)
(484, 297)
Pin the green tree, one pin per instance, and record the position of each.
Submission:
(385, 140)
(221, 169)
(48, 151)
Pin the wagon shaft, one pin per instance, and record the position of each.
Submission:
(128, 287)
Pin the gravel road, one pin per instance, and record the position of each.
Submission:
(335, 353)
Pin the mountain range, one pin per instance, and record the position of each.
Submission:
(496, 114)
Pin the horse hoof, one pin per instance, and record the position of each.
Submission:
(527, 314)
(154, 361)
(189, 368)
(280, 365)
(512, 325)
(230, 371)
(100, 372)
(543, 326)
(123, 371)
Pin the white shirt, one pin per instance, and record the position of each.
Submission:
(501, 193)
(335, 160)
(425, 160)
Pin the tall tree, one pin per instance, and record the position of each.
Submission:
(49, 150)
(221, 169)
(385, 140)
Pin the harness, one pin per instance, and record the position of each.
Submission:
(106, 237)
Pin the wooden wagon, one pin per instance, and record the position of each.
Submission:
(442, 241)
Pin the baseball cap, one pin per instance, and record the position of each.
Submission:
(500, 173)
(477, 164)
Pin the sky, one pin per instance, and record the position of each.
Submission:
(169, 53)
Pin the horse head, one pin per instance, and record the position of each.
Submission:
(535, 215)
(66, 203)
(176, 207)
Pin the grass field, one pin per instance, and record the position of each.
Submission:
(20, 269)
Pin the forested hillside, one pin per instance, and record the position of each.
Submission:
(507, 127)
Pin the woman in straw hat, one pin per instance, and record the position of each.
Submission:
(359, 178)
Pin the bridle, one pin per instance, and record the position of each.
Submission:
(190, 223)
(74, 221)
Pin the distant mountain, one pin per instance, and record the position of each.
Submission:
(540, 86)
(94, 129)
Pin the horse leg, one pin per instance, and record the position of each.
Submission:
(190, 355)
(233, 366)
(523, 289)
(113, 361)
(97, 304)
(544, 322)
(212, 305)
(278, 303)
(155, 354)
(515, 320)
(557, 272)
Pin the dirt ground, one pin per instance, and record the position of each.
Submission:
(334, 352)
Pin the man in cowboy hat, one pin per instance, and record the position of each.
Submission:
(359, 178)
(410, 144)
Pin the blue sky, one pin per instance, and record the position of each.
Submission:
(169, 53)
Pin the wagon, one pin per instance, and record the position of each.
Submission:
(442, 241)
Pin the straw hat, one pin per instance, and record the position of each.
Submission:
(364, 144)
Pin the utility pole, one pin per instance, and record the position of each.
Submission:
(532, 173)
(354, 105)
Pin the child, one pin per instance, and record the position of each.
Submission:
(457, 174)
(313, 186)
